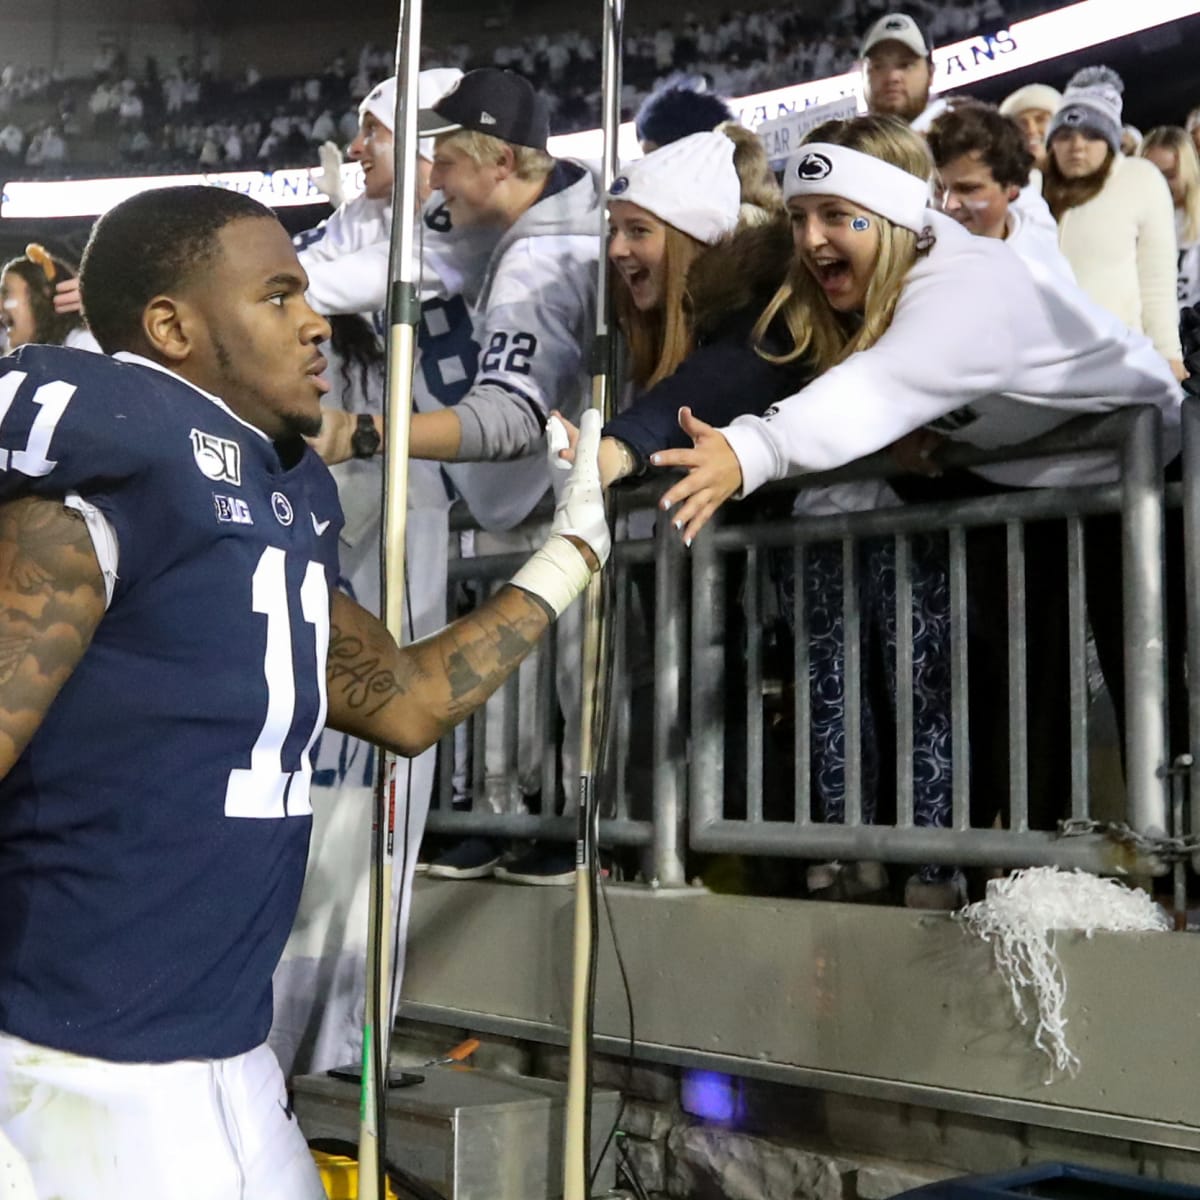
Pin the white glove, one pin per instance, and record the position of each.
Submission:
(558, 572)
(580, 510)
(329, 178)
(556, 440)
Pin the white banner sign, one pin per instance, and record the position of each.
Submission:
(782, 135)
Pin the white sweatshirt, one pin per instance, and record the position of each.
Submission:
(1001, 349)
(1032, 234)
(1121, 245)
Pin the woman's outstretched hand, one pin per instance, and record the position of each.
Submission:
(714, 474)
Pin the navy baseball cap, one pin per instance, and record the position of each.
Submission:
(499, 103)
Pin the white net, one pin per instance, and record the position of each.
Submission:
(1019, 917)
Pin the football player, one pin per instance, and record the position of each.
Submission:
(173, 644)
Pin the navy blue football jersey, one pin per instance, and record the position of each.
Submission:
(154, 833)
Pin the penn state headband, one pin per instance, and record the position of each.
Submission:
(821, 169)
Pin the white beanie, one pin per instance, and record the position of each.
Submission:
(691, 184)
(432, 85)
(1040, 96)
(1091, 101)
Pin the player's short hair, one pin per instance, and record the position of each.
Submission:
(151, 244)
(970, 125)
(529, 163)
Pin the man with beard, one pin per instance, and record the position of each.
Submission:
(897, 67)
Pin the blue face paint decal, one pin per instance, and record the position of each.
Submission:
(860, 224)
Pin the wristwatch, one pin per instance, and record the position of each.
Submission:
(365, 440)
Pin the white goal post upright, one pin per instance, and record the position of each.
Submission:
(403, 316)
(577, 1167)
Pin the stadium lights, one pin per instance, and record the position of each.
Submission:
(960, 64)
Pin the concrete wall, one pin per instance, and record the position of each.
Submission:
(875, 1002)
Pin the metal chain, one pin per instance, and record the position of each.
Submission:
(1160, 846)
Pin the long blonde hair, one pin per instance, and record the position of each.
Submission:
(1171, 137)
(661, 339)
(825, 335)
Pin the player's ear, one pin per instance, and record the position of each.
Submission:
(165, 329)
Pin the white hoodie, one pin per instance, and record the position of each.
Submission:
(1003, 349)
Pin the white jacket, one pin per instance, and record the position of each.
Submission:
(1121, 246)
(1003, 349)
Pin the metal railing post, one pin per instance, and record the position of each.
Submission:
(1142, 589)
(706, 768)
(1191, 531)
(670, 612)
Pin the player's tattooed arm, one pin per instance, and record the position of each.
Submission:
(407, 698)
(51, 600)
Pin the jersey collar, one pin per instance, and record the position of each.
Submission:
(129, 357)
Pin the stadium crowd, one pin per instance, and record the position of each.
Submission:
(931, 272)
(188, 114)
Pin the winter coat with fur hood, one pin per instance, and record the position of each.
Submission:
(724, 377)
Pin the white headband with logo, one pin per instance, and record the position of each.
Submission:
(821, 169)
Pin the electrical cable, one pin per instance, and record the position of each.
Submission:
(630, 1057)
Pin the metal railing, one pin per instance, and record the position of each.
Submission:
(670, 793)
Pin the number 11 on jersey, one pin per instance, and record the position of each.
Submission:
(265, 789)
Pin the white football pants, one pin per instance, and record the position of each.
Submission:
(88, 1129)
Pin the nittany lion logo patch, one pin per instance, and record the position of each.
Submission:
(813, 166)
(619, 185)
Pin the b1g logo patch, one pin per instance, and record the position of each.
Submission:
(231, 510)
(218, 458)
(813, 166)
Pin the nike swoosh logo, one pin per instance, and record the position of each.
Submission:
(319, 527)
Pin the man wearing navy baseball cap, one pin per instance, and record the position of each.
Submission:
(501, 104)
(897, 66)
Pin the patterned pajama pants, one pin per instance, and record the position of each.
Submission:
(931, 752)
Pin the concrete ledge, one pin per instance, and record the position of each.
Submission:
(868, 1001)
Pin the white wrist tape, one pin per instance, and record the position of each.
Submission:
(557, 573)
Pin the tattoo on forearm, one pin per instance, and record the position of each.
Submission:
(435, 682)
(485, 654)
(51, 600)
(359, 673)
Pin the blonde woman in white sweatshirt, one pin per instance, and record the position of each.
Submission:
(1116, 221)
(915, 323)
(938, 324)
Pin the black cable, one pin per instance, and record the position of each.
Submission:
(631, 1050)
(626, 1168)
(393, 986)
